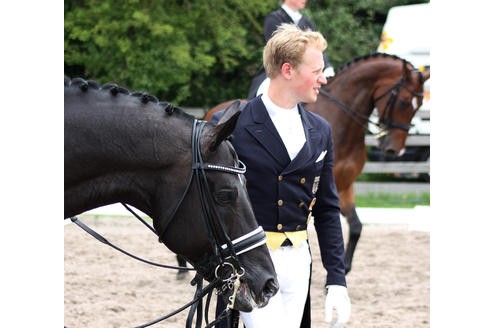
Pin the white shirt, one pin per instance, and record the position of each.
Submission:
(295, 15)
(289, 126)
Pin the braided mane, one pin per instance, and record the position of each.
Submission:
(114, 90)
(369, 56)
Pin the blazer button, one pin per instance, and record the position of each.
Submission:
(298, 227)
(279, 227)
(280, 202)
(303, 180)
(280, 178)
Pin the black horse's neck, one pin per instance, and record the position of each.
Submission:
(116, 143)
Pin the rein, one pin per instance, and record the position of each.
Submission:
(224, 259)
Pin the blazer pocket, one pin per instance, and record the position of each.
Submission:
(321, 157)
(318, 166)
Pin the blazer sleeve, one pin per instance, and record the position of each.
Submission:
(327, 217)
(272, 21)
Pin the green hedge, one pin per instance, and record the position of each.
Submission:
(197, 53)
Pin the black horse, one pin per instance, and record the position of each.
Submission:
(183, 173)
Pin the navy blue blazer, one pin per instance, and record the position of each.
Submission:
(281, 190)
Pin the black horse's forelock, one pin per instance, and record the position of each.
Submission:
(114, 90)
(368, 56)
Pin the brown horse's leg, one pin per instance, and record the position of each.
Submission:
(348, 209)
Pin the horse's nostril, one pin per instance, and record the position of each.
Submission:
(271, 288)
(390, 152)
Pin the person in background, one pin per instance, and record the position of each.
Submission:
(288, 152)
(289, 12)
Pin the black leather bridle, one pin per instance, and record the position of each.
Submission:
(385, 119)
(222, 268)
(223, 248)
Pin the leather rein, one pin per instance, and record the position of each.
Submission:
(389, 107)
(222, 267)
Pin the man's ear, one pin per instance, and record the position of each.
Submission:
(287, 71)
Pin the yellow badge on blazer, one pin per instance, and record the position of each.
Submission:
(315, 185)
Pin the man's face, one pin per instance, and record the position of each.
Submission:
(296, 4)
(309, 76)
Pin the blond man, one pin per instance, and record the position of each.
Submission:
(288, 152)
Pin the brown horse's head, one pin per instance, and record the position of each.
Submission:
(397, 100)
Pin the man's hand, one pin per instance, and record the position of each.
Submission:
(338, 299)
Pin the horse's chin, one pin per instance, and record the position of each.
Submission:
(391, 149)
(245, 300)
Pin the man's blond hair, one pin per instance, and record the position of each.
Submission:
(287, 45)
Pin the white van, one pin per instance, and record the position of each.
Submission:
(406, 33)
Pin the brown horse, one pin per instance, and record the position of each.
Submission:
(386, 82)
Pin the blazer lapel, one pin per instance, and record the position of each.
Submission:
(263, 130)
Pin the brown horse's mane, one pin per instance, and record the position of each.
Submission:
(368, 56)
(114, 89)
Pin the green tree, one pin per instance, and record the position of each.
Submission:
(199, 53)
(186, 52)
(351, 27)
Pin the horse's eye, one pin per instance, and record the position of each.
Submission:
(225, 196)
(404, 104)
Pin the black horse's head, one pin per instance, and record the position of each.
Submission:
(184, 173)
(216, 216)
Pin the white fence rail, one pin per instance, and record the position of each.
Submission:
(399, 167)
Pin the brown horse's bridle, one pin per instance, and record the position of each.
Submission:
(390, 106)
(363, 120)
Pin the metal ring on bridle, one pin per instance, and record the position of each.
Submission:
(221, 266)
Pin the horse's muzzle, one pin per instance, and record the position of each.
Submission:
(246, 300)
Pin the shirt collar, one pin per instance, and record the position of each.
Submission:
(294, 15)
(274, 110)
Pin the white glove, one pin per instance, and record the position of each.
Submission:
(329, 72)
(338, 299)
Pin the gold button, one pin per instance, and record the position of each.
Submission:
(280, 178)
(298, 227)
(303, 180)
(279, 226)
(280, 202)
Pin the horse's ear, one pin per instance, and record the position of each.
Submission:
(226, 125)
(426, 73)
(406, 72)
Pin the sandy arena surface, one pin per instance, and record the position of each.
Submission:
(389, 284)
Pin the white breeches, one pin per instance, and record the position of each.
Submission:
(286, 308)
